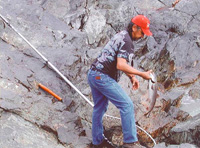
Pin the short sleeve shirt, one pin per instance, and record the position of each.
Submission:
(120, 45)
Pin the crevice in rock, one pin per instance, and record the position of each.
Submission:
(29, 55)
(4, 25)
(54, 36)
(161, 2)
(173, 28)
(196, 17)
(9, 43)
(189, 83)
(82, 22)
(48, 129)
(70, 106)
(111, 26)
(13, 111)
(187, 13)
(24, 85)
(177, 102)
(101, 42)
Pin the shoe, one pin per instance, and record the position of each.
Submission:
(132, 145)
(105, 144)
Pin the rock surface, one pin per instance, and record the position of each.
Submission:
(18, 133)
(70, 34)
(186, 132)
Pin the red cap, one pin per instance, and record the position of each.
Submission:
(143, 22)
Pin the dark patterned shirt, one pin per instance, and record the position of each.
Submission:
(120, 45)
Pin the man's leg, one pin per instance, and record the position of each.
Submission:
(113, 92)
(100, 107)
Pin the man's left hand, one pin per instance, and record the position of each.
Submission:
(135, 83)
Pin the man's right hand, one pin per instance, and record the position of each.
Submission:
(146, 75)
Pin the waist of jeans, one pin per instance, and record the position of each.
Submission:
(96, 70)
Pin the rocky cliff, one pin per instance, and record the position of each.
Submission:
(70, 34)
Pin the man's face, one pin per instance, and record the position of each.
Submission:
(137, 33)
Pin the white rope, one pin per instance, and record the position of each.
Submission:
(62, 76)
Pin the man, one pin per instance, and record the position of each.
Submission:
(104, 75)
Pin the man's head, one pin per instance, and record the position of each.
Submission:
(139, 26)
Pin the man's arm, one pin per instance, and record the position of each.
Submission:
(129, 75)
(130, 71)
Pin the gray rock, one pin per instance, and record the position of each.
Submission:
(184, 145)
(71, 34)
(186, 132)
(17, 132)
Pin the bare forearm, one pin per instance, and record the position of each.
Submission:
(123, 66)
(129, 70)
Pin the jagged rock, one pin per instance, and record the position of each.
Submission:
(186, 132)
(190, 102)
(95, 25)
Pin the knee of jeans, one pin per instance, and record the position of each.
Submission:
(99, 112)
(131, 105)
(128, 108)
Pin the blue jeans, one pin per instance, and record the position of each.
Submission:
(105, 89)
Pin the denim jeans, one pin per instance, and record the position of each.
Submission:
(105, 89)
